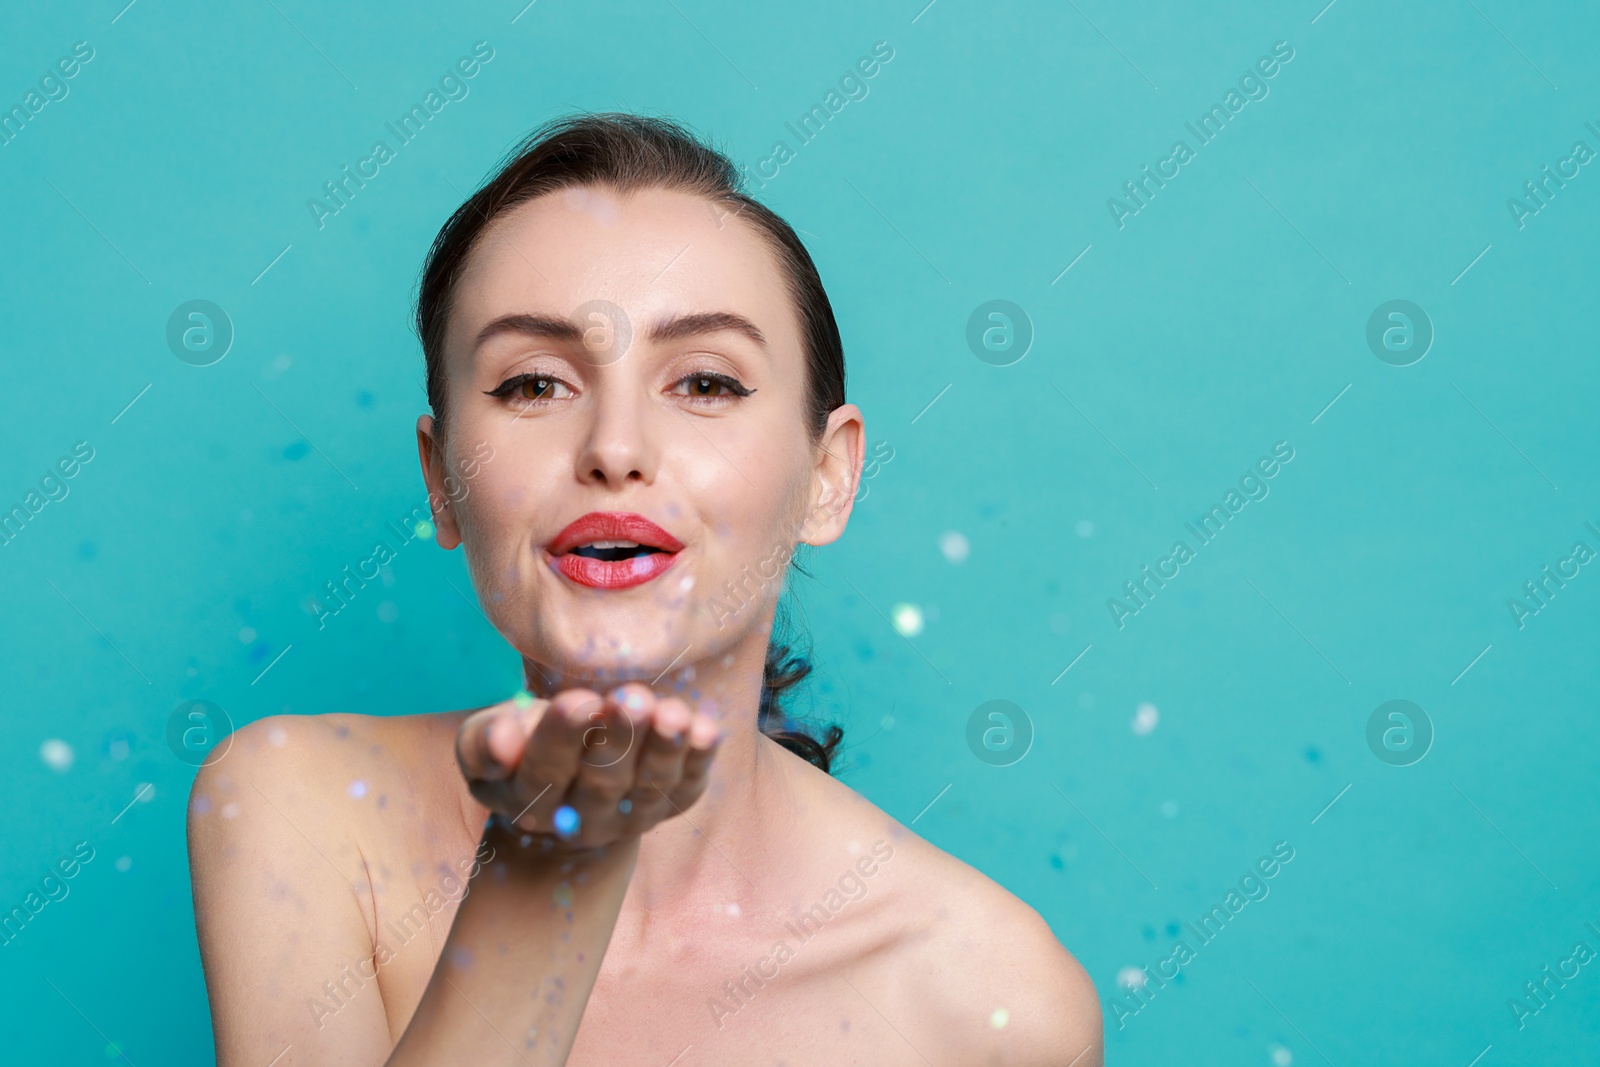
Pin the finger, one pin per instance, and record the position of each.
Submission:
(661, 757)
(607, 768)
(490, 742)
(705, 737)
(613, 736)
(660, 766)
(550, 757)
(498, 797)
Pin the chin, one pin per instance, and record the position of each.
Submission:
(625, 654)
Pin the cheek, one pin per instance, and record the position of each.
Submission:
(496, 517)
(762, 499)
(756, 529)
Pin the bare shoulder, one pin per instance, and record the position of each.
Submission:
(991, 976)
(290, 826)
(330, 781)
(966, 962)
(298, 758)
(301, 792)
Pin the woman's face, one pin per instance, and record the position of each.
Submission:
(640, 356)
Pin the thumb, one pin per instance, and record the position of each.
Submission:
(490, 742)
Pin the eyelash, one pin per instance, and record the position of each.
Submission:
(511, 385)
(733, 385)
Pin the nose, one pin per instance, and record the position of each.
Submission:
(618, 448)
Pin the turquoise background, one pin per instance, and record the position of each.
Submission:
(1224, 316)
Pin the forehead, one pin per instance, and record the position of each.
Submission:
(653, 252)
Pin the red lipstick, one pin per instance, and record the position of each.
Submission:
(612, 550)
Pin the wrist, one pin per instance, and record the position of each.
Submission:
(524, 854)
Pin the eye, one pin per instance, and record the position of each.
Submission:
(530, 389)
(708, 385)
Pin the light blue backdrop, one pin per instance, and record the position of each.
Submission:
(1172, 347)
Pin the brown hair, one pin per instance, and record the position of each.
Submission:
(630, 152)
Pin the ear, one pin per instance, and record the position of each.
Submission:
(835, 477)
(431, 451)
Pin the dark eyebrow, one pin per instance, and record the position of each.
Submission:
(670, 329)
(706, 322)
(532, 326)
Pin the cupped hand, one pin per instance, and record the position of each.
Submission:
(584, 770)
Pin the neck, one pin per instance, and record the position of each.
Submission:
(712, 852)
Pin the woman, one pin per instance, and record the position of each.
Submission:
(638, 408)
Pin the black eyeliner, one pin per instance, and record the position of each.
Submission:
(722, 379)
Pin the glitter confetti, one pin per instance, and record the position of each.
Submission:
(1145, 719)
(955, 547)
(57, 754)
(358, 789)
(999, 1019)
(907, 619)
(118, 745)
(566, 820)
(1130, 978)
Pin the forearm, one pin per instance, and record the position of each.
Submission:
(521, 958)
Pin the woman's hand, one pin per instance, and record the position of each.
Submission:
(583, 771)
(585, 774)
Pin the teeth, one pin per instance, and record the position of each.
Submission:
(613, 544)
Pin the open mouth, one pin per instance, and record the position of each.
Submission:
(612, 550)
